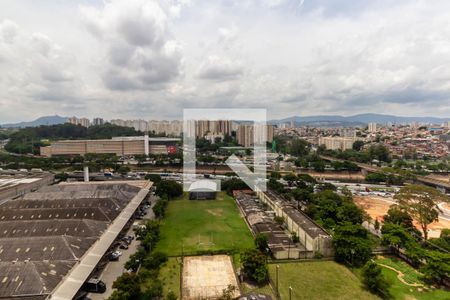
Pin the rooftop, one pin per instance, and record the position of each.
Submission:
(61, 224)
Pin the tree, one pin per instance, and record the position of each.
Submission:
(155, 178)
(254, 265)
(228, 293)
(352, 244)
(330, 209)
(437, 266)
(357, 145)
(127, 286)
(170, 188)
(275, 175)
(159, 209)
(420, 202)
(302, 195)
(396, 215)
(298, 147)
(397, 236)
(261, 242)
(290, 178)
(306, 178)
(374, 280)
(123, 170)
(318, 166)
(376, 224)
(233, 184)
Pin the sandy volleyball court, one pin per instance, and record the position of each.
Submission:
(205, 277)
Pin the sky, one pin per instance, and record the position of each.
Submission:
(151, 59)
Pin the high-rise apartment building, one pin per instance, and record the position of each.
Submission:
(79, 121)
(98, 121)
(337, 142)
(247, 135)
(372, 127)
(218, 127)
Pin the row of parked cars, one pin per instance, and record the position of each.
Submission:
(121, 244)
(95, 285)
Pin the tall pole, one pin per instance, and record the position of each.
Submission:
(278, 268)
(290, 293)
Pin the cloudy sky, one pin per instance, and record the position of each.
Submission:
(150, 59)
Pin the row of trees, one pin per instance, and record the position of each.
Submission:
(145, 284)
(418, 203)
(359, 154)
(28, 140)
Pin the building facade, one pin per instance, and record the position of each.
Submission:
(121, 146)
(337, 142)
(246, 134)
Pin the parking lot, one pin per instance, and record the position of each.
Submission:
(116, 268)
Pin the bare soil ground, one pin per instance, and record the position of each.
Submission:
(205, 277)
(377, 207)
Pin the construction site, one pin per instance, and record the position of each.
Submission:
(53, 239)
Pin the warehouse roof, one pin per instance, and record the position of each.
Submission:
(62, 225)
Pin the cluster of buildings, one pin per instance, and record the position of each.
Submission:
(415, 142)
(246, 134)
(85, 122)
(313, 237)
(260, 221)
(260, 209)
(163, 127)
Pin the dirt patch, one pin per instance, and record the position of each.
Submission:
(377, 207)
(205, 277)
(215, 212)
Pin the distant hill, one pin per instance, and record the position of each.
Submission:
(361, 119)
(48, 120)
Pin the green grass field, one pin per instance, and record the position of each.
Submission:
(170, 276)
(318, 280)
(401, 291)
(197, 226)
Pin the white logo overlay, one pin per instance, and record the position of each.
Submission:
(255, 120)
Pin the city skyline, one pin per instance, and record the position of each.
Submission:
(154, 58)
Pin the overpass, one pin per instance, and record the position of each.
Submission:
(366, 168)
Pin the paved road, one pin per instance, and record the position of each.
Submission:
(116, 268)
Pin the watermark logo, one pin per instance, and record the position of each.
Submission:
(252, 127)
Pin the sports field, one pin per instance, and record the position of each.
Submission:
(199, 226)
(318, 280)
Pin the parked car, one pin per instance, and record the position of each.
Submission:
(123, 246)
(114, 256)
(94, 285)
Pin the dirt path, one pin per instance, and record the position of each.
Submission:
(400, 276)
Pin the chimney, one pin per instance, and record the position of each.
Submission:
(86, 174)
(146, 145)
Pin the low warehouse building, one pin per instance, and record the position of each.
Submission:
(52, 239)
(16, 183)
(121, 146)
(203, 190)
(313, 237)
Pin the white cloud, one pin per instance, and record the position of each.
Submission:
(221, 69)
(139, 50)
(152, 58)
